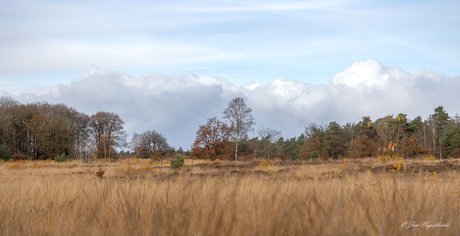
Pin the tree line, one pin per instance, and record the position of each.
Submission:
(388, 137)
(41, 131)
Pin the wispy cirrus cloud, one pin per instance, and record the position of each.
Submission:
(263, 6)
(243, 41)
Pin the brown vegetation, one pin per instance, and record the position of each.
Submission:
(138, 197)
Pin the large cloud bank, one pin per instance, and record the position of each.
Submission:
(176, 105)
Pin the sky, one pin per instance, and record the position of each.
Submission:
(170, 65)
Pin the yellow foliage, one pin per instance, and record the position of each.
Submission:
(264, 163)
(345, 164)
(15, 165)
(37, 165)
(398, 166)
(428, 158)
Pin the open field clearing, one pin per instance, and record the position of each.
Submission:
(346, 197)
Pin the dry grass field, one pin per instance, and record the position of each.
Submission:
(344, 197)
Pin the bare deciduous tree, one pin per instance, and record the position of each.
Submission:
(155, 144)
(107, 127)
(268, 139)
(136, 143)
(240, 118)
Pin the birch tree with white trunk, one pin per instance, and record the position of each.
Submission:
(238, 114)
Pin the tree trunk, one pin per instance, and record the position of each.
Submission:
(424, 136)
(236, 151)
(440, 149)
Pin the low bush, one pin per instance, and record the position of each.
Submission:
(61, 158)
(177, 163)
(17, 156)
(264, 163)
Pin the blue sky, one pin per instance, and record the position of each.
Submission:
(48, 42)
(304, 61)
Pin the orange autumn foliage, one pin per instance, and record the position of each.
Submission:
(212, 140)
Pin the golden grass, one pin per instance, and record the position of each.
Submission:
(322, 199)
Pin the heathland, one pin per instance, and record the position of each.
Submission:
(364, 196)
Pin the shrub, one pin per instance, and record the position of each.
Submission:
(16, 165)
(61, 158)
(313, 155)
(178, 162)
(17, 156)
(5, 153)
(264, 163)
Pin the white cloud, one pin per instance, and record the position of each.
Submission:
(132, 52)
(4, 93)
(176, 105)
(364, 74)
